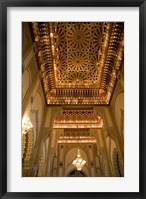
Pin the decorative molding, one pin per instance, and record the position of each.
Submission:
(78, 118)
(79, 61)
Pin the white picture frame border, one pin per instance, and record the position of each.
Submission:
(130, 182)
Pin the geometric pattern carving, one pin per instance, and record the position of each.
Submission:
(79, 61)
(76, 136)
(79, 47)
(77, 119)
(78, 116)
(76, 132)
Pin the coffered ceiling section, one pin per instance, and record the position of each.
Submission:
(79, 61)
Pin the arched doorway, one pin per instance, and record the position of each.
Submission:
(76, 173)
(73, 128)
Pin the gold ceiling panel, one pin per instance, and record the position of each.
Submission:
(76, 136)
(79, 47)
(79, 118)
(76, 132)
(79, 61)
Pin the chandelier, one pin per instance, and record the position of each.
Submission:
(26, 125)
(79, 162)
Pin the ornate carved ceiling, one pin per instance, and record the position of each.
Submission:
(78, 118)
(78, 45)
(79, 61)
(76, 136)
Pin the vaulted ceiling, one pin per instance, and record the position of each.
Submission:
(79, 61)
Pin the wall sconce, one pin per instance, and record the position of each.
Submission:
(26, 124)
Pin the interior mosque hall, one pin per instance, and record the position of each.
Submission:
(72, 99)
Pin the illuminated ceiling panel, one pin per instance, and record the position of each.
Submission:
(79, 61)
(78, 46)
(76, 136)
(78, 119)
